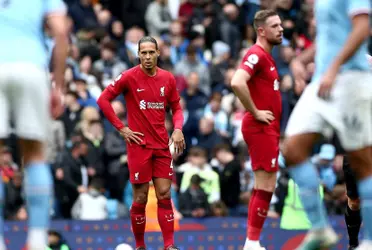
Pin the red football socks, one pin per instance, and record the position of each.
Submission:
(138, 219)
(258, 208)
(250, 203)
(166, 221)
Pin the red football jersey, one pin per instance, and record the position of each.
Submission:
(146, 100)
(263, 86)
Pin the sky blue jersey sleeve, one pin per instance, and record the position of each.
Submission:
(55, 6)
(355, 7)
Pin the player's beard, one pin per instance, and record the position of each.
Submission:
(275, 41)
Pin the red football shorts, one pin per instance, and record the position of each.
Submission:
(146, 163)
(263, 149)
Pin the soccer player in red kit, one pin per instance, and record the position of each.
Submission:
(148, 90)
(256, 84)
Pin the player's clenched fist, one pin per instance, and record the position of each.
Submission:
(178, 140)
(131, 136)
(265, 116)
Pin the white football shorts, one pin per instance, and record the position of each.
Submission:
(25, 98)
(348, 112)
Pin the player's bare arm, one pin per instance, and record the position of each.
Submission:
(241, 90)
(298, 68)
(359, 34)
(58, 28)
(177, 137)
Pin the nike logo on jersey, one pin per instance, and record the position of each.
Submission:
(140, 90)
(272, 68)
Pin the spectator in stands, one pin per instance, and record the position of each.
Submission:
(91, 205)
(236, 119)
(86, 99)
(128, 51)
(56, 141)
(14, 208)
(158, 18)
(164, 59)
(133, 13)
(72, 176)
(230, 33)
(197, 163)
(72, 114)
(86, 70)
(219, 65)
(185, 12)
(116, 32)
(88, 115)
(194, 201)
(83, 15)
(178, 42)
(110, 66)
(7, 165)
(190, 125)
(208, 136)
(94, 137)
(219, 209)
(211, 24)
(56, 241)
(115, 149)
(213, 110)
(194, 97)
(228, 97)
(104, 16)
(229, 171)
(191, 63)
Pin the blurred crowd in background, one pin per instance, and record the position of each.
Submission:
(201, 42)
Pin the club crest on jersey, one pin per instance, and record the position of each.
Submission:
(162, 90)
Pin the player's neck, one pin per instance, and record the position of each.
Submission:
(265, 45)
(149, 72)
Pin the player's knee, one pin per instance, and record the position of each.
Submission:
(163, 193)
(266, 183)
(292, 153)
(354, 204)
(140, 196)
(360, 162)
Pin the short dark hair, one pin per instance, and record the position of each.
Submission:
(261, 16)
(73, 93)
(198, 151)
(222, 147)
(110, 45)
(148, 39)
(191, 50)
(97, 183)
(79, 143)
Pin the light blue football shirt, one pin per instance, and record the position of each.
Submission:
(333, 26)
(21, 30)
